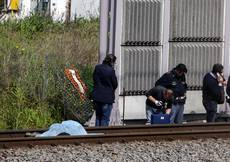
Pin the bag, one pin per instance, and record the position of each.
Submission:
(228, 99)
(160, 119)
(222, 96)
(224, 108)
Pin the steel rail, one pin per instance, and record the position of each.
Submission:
(127, 129)
(115, 137)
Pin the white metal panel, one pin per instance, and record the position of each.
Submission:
(227, 39)
(197, 19)
(142, 22)
(25, 8)
(33, 5)
(58, 9)
(194, 103)
(140, 67)
(84, 8)
(134, 107)
(165, 37)
(104, 19)
(198, 57)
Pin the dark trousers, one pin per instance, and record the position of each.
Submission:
(103, 112)
(211, 109)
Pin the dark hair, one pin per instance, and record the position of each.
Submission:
(217, 68)
(109, 59)
(181, 68)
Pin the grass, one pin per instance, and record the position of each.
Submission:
(33, 55)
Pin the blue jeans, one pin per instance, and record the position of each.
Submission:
(149, 111)
(177, 114)
(103, 112)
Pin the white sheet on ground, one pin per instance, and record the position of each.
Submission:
(66, 127)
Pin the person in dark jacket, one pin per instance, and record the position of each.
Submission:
(175, 80)
(228, 91)
(159, 100)
(213, 91)
(105, 84)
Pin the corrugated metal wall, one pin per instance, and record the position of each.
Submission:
(140, 68)
(196, 20)
(195, 39)
(142, 22)
(198, 57)
(142, 26)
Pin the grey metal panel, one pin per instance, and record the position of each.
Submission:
(198, 57)
(142, 20)
(196, 18)
(139, 67)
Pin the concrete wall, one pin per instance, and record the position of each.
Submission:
(84, 8)
(135, 105)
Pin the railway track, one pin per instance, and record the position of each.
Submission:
(119, 134)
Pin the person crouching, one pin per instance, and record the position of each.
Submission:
(159, 100)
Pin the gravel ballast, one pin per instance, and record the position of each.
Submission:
(217, 150)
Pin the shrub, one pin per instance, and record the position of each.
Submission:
(32, 53)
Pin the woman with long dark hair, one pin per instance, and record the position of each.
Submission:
(105, 84)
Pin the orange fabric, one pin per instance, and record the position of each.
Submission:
(75, 84)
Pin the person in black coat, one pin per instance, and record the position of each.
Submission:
(105, 84)
(175, 80)
(228, 90)
(159, 100)
(213, 91)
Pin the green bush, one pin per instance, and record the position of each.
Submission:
(33, 52)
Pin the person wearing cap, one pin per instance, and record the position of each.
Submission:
(213, 91)
(104, 86)
(159, 100)
(176, 81)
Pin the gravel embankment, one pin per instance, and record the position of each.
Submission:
(217, 150)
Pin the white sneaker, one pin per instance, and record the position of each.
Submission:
(147, 123)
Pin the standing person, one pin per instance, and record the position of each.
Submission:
(228, 91)
(175, 80)
(213, 91)
(159, 100)
(105, 84)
